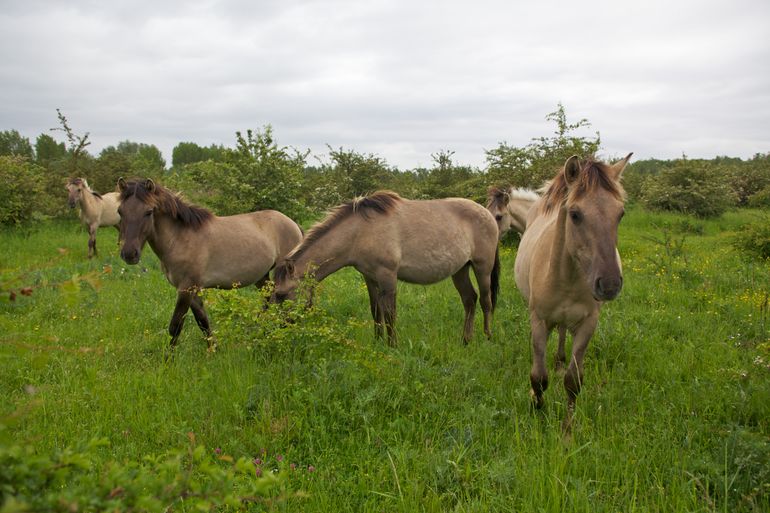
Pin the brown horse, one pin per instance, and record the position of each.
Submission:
(198, 249)
(95, 209)
(510, 207)
(568, 265)
(388, 238)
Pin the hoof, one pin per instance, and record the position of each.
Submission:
(537, 399)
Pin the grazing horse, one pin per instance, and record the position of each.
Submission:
(95, 209)
(388, 238)
(198, 249)
(567, 265)
(510, 207)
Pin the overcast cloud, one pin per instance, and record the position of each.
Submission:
(400, 79)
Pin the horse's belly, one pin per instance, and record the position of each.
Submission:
(428, 273)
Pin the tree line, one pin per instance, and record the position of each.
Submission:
(259, 173)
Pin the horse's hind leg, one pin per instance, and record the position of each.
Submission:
(183, 301)
(371, 288)
(462, 282)
(561, 357)
(199, 312)
(484, 279)
(386, 302)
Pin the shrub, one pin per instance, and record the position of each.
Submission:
(753, 239)
(692, 187)
(21, 193)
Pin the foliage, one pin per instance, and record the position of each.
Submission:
(127, 159)
(753, 239)
(189, 153)
(689, 186)
(531, 165)
(681, 359)
(78, 479)
(257, 175)
(12, 143)
(21, 191)
(48, 150)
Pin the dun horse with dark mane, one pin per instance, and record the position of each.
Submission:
(388, 238)
(510, 207)
(198, 249)
(568, 265)
(96, 209)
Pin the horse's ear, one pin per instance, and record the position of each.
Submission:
(619, 166)
(571, 169)
(122, 184)
(149, 185)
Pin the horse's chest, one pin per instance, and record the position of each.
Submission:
(564, 311)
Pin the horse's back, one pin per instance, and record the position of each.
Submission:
(438, 237)
(244, 247)
(109, 214)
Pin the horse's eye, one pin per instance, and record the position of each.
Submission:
(576, 216)
(148, 213)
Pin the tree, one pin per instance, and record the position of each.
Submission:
(532, 165)
(47, 149)
(189, 153)
(13, 143)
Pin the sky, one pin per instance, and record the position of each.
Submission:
(398, 79)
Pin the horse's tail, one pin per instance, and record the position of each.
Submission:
(495, 278)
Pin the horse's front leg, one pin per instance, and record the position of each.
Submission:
(183, 300)
(462, 282)
(573, 378)
(373, 291)
(538, 376)
(199, 312)
(91, 240)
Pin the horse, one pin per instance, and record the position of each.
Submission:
(568, 265)
(510, 207)
(96, 209)
(388, 238)
(198, 249)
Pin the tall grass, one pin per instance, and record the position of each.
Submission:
(674, 414)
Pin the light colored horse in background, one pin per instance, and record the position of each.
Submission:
(96, 209)
(510, 207)
(198, 249)
(388, 238)
(567, 265)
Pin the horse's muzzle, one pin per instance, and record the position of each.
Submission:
(130, 256)
(607, 289)
(72, 204)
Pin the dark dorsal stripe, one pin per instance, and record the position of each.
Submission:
(167, 203)
(381, 202)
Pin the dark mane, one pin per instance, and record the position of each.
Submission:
(594, 174)
(166, 202)
(381, 202)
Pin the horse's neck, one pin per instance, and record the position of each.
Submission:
(161, 240)
(88, 204)
(324, 257)
(561, 263)
(518, 210)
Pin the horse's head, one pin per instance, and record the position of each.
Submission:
(594, 208)
(136, 217)
(75, 188)
(285, 282)
(497, 203)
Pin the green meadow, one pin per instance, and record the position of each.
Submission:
(674, 414)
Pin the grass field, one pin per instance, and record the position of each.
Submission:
(674, 414)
